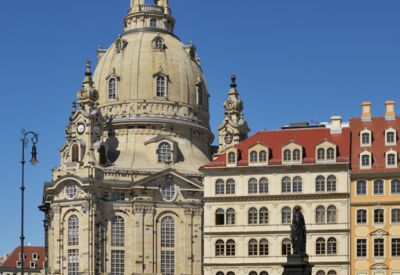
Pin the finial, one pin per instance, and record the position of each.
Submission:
(73, 106)
(233, 80)
(88, 71)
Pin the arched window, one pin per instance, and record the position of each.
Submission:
(263, 188)
(220, 248)
(73, 230)
(296, 155)
(331, 184)
(231, 158)
(253, 216)
(164, 153)
(253, 247)
(365, 160)
(168, 191)
(286, 215)
(286, 247)
(332, 272)
(117, 231)
(321, 154)
(161, 86)
(219, 187)
(253, 273)
(159, 43)
(253, 186)
(263, 156)
(320, 184)
(320, 214)
(287, 155)
(330, 154)
(264, 215)
(230, 248)
(390, 137)
(264, 249)
(112, 88)
(253, 156)
(220, 217)
(297, 185)
(320, 247)
(230, 216)
(365, 139)
(230, 273)
(153, 23)
(102, 155)
(264, 273)
(167, 232)
(230, 186)
(331, 214)
(75, 153)
(321, 272)
(220, 273)
(286, 185)
(379, 216)
(332, 246)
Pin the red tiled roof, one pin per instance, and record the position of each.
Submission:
(11, 261)
(308, 138)
(378, 126)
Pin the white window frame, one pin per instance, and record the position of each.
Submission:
(366, 153)
(365, 131)
(390, 130)
(387, 159)
(116, 86)
(366, 216)
(158, 94)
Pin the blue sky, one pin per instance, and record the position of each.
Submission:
(295, 61)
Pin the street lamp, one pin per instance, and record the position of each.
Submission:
(33, 137)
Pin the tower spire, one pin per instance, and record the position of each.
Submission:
(87, 95)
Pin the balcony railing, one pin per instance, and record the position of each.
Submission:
(152, 8)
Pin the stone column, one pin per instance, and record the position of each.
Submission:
(138, 238)
(149, 245)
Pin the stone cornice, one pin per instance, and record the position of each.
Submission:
(375, 203)
(264, 233)
(375, 175)
(288, 197)
(336, 263)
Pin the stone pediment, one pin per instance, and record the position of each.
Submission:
(379, 266)
(379, 233)
(157, 139)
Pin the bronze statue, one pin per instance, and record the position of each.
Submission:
(299, 234)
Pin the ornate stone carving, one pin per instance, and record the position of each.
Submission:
(85, 206)
(120, 45)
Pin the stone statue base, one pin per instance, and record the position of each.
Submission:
(297, 264)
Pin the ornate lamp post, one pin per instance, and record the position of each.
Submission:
(33, 137)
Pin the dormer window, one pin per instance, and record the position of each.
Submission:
(112, 88)
(296, 155)
(263, 156)
(287, 155)
(325, 152)
(161, 86)
(321, 154)
(365, 137)
(330, 154)
(391, 159)
(253, 156)
(164, 153)
(390, 137)
(365, 160)
(231, 158)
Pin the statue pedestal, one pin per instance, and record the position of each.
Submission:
(297, 264)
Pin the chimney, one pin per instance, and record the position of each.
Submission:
(390, 114)
(336, 124)
(366, 111)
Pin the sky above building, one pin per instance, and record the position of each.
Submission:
(295, 61)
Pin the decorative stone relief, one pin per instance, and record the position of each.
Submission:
(85, 207)
(120, 45)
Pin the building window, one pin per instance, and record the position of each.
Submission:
(321, 272)
(35, 256)
(391, 159)
(73, 262)
(253, 247)
(365, 160)
(168, 191)
(286, 215)
(264, 273)
(253, 157)
(320, 247)
(253, 216)
(361, 187)
(396, 215)
(117, 262)
(332, 272)
(73, 230)
(219, 217)
(167, 232)
(220, 248)
(395, 187)
(286, 185)
(117, 231)
(112, 88)
(75, 153)
(219, 187)
(264, 250)
(379, 216)
(379, 248)
(287, 155)
(330, 154)
(161, 86)
(331, 184)
(102, 155)
(153, 23)
(396, 247)
(159, 43)
(231, 158)
(320, 214)
(321, 154)
(320, 184)
(263, 186)
(167, 262)
(331, 214)
(332, 246)
(71, 191)
(362, 248)
(253, 186)
(230, 187)
(230, 248)
(378, 187)
(263, 156)
(361, 216)
(164, 153)
(230, 216)
(264, 215)
(297, 185)
(390, 137)
(365, 139)
(296, 155)
(286, 247)
(253, 273)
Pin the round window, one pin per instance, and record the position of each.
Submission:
(71, 191)
(168, 191)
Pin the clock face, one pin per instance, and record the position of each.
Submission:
(81, 128)
(228, 138)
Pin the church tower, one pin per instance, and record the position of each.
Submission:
(234, 128)
(127, 195)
